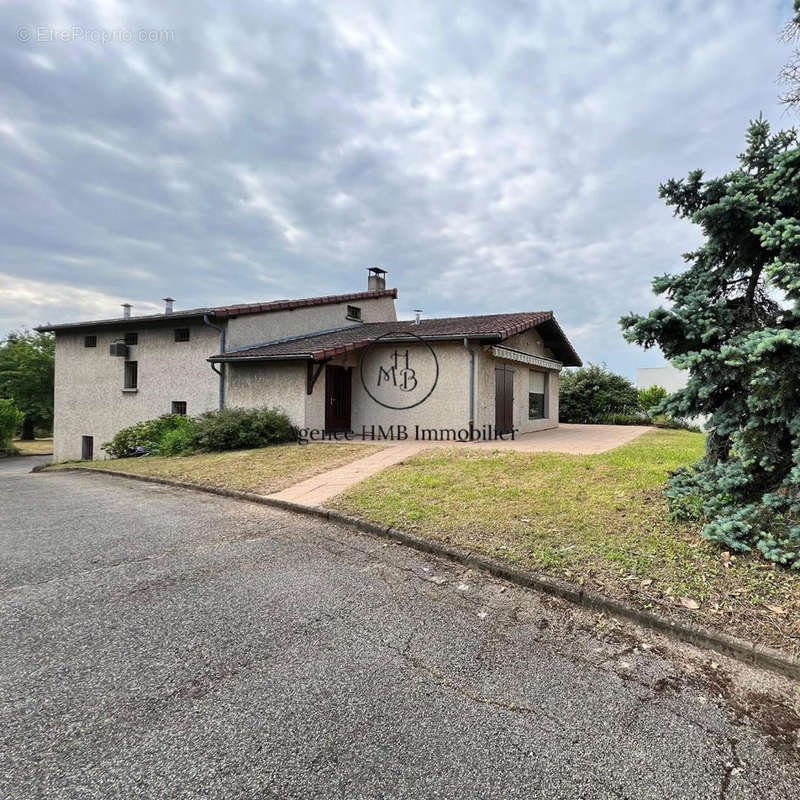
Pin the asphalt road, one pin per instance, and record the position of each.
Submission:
(166, 644)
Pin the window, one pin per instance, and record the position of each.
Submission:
(131, 375)
(131, 338)
(87, 448)
(537, 395)
(90, 341)
(353, 312)
(179, 407)
(181, 334)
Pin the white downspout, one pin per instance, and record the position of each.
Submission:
(471, 384)
(221, 371)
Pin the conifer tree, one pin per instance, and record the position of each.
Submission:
(733, 321)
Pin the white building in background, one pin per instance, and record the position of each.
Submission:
(667, 377)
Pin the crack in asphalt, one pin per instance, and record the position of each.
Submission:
(83, 573)
(602, 664)
(733, 767)
(444, 680)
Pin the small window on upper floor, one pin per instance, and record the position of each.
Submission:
(181, 334)
(179, 407)
(90, 341)
(353, 312)
(131, 338)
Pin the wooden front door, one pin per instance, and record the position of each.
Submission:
(338, 385)
(503, 398)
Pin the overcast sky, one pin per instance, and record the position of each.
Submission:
(493, 156)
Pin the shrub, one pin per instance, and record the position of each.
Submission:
(675, 424)
(229, 429)
(147, 436)
(177, 441)
(238, 428)
(650, 398)
(623, 418)
(591, 394)
(10, 420)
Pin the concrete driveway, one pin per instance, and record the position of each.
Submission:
(167, 644)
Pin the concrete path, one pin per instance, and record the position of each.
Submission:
(159, 643)
(570, 439)
(315, 491)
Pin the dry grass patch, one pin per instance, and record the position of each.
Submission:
(38, 447)
(263, 471)
(599, 520)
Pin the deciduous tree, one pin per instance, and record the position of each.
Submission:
(26, 376)
(791, 72)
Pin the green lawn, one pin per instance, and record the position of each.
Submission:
(263, 471)
(600, 520)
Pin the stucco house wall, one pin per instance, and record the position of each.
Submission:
(283, 384)
(275, 385)
(528, 342)
(253, 329)
(446, 407)
(89, 396)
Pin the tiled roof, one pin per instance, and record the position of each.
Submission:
(492, 327)
(220, 312)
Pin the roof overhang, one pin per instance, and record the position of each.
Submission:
(120, 323)
(509, 354)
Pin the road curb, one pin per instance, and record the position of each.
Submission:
(742, 649)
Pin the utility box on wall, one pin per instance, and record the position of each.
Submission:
(119, 349)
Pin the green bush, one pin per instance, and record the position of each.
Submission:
(594, 393)
(147, 436)
(229, 429)
(238, 428)
(623, 418)
(178, 441)
(10, 420)
(675, 424)
(650, 398)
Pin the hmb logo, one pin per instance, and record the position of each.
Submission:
(399, 370)
(399, 373)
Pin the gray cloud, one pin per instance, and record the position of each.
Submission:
(493, 157)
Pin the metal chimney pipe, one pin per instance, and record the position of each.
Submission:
(169, 301)
(417, 315)
(126, 310)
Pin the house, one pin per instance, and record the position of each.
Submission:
(339, 366)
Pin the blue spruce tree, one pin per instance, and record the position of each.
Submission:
(733, 321)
